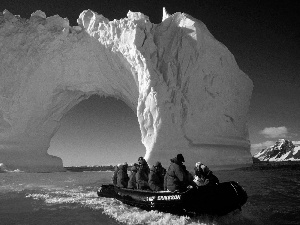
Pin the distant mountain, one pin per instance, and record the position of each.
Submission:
(283, 151)
(89, 168)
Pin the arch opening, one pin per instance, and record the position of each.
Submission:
(98, 131)
(188, 92)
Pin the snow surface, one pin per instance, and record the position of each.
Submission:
(283, 150)
(186, 88)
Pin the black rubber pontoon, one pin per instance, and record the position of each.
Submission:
(213, 200)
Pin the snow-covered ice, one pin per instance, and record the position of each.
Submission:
(185, 87)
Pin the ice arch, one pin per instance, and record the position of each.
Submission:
(186, 88)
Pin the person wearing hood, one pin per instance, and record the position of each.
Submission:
(211, 179)
(132, 177)
(142, 177)
(156, 177)
(143, 162)
(122, 176)
(114, 177)
(204, 176)
(176, 178)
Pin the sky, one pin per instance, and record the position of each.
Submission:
(263, 36)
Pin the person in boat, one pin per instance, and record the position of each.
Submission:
(190, 177)
(156, 177)
(132, 177)
(204, 176)
(176, 178)
(199, 178)
(212, 179)
(143, 162)
(142, 177)
(122, 176)
(114, 177)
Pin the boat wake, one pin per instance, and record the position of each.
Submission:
(81, 197)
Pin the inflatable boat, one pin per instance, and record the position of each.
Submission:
(212, 200)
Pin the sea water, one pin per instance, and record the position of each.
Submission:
(70, 198)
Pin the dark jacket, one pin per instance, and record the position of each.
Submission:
(176, 176)
(211, 179)
(114, 177)
(142, 178)
(156, 179)
(145, 165)
(205, 178)
(132, 178)
(122, 177)
(165, 182)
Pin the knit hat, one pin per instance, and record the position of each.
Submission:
(140, 159)
(180, 158)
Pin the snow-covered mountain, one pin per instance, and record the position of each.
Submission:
(283, 150)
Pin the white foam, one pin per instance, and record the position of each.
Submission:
(115, 209)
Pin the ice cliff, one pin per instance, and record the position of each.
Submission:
(282, 150)
(185, 87)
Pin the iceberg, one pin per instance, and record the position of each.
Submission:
(3, 169)
(185, 87)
